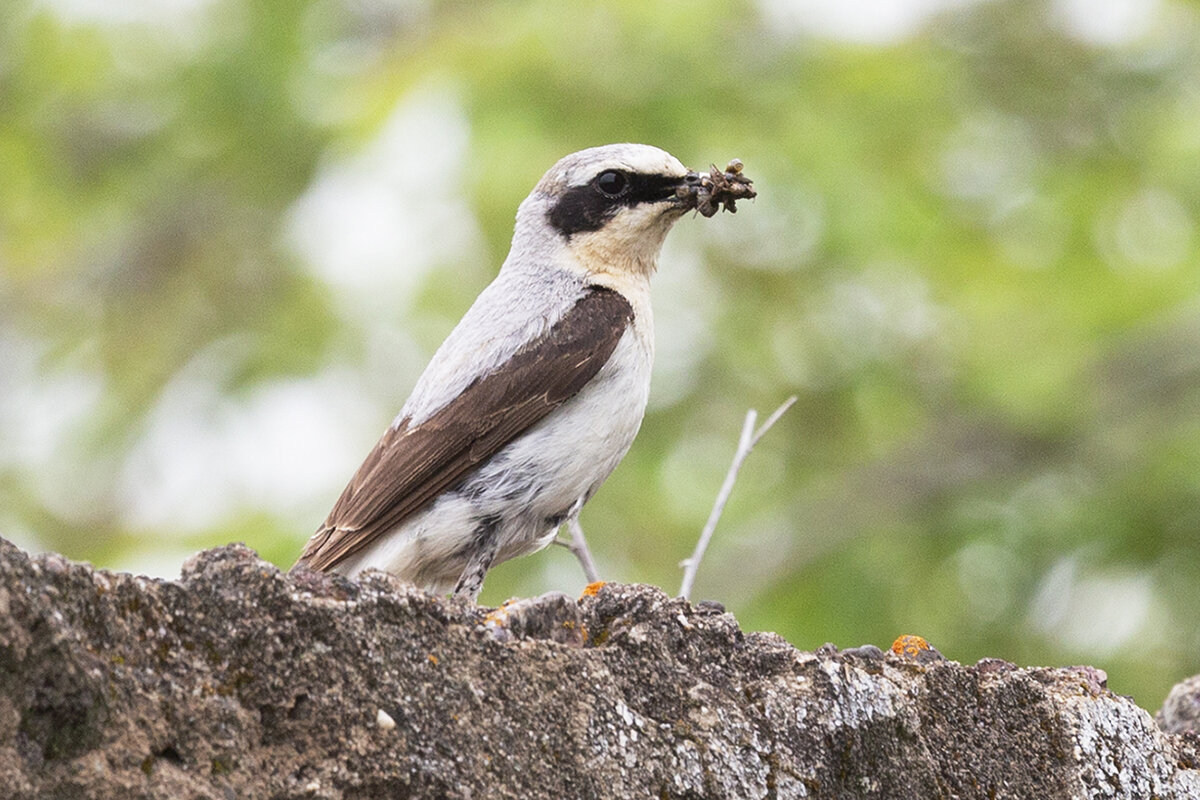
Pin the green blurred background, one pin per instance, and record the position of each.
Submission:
(231, 234)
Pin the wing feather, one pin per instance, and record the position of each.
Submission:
(412, 465)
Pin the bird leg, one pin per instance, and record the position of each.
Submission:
(482, 556)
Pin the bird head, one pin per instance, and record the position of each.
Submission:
(609, 208)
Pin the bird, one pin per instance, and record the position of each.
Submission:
(536, 394)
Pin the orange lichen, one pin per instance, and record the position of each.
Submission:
(592, 589)
(433, 659)
(500, 616)
(909, 645)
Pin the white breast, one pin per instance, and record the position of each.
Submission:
(578, 445)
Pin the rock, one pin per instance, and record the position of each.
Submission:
(1181, 709)
(239, 680)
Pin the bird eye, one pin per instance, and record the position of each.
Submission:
(612, 183)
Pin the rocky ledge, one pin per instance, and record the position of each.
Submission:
(239, 680)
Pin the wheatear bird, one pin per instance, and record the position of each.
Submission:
(537, 393)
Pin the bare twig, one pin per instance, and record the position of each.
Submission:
(746, 443)
(579, 546)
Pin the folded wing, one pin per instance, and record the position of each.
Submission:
(412, 465)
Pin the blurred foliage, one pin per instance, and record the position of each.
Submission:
(974, 258)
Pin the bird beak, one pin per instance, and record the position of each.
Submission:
(688, 190)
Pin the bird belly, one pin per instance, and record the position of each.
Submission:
(536, 481)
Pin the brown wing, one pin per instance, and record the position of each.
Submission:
(410, 466)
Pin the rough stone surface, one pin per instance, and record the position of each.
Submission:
(242, 681)
(1181, 709)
